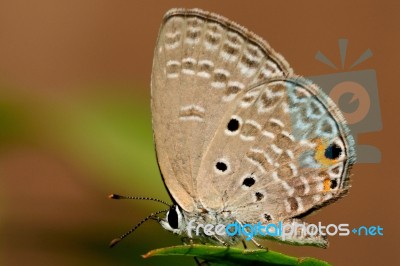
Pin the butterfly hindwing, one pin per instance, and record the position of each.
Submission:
(289, 153)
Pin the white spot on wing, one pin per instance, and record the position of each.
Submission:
(276, 149)
(327, 196)
(306, 185)
(307, 143)
(257, 163)
(253, 123)
(300, 207)
(173, 62)
(247, 138)
(172, 46)
(192, 41)
(339, 174)
(288, 188)
(227, 57)
(285, 107)
(238, 84)
(218, 85)
(287, 134)
(302, 91)
(204, 74)
(266, 72)
(277, 121)
(203, 63)
(290, 154)
(192, 113)
(172, 34)
(285, 185)
(319, 186)
(206, 62)
(268, 134)
(172, 75)
(193, 106)
(232, 96)
(275, 176)
(191, 118)
(246, 71)
(186, 70)
(316, 198)
(253, 94)
(210, 47)
(287, 206)
(222, 71)
(293, 168)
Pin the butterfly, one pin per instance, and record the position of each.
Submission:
(239, 137)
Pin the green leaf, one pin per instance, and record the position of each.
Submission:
(219, 255)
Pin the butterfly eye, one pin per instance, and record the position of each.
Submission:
(172, 217)
(333, 151)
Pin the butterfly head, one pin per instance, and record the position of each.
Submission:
(174, 220)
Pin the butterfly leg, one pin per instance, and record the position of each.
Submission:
(203, 263)
(221, 241)
(187, 241)
(252, 239)
(244, 244)
(258, 245)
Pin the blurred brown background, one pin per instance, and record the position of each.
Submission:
(75, 124)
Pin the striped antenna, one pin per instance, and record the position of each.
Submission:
(116, 196)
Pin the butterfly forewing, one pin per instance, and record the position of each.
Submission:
(203, 64)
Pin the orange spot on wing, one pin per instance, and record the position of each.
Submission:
(327, 184)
